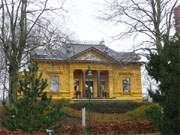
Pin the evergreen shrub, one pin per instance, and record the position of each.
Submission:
(153, 113)
(33, 109)
(164, 67)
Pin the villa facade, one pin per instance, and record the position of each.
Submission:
(114, 75)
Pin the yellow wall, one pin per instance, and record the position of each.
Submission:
(133, 72)
(65, 72)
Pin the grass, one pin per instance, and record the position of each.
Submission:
(103, 117)
(137, 113)
(102, 112)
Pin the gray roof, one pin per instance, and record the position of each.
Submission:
(66, 52)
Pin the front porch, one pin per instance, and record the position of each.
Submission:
(99, 84)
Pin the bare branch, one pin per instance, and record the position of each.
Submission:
(19, 36)
(150, 17)
(45, 4)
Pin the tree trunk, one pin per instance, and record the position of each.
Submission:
(13, 81)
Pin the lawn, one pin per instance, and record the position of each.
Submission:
(108, 111)
(115, 117)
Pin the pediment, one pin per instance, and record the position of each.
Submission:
(92, 56)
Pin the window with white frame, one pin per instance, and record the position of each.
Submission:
(126, 85)
(54, 86)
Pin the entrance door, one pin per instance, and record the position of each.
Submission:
(89, 92)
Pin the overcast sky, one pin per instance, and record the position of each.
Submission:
(81, 19)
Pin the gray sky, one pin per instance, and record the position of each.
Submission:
(81, 19)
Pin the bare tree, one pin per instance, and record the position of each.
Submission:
(3, 77)
(153, 18)
(19, 18)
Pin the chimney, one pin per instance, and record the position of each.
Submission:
(177, 19)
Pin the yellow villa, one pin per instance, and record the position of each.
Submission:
(115, 75)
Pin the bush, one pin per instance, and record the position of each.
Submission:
(138, 113)
(153, 113)
(33, 109)
(116, 128)
(107, 106)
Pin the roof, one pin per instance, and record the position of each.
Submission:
(66, 52)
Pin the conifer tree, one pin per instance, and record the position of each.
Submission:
(33, 109)
(164, 67)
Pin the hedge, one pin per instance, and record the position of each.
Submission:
(107, 106)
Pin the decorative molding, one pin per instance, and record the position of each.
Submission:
(91, 56)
